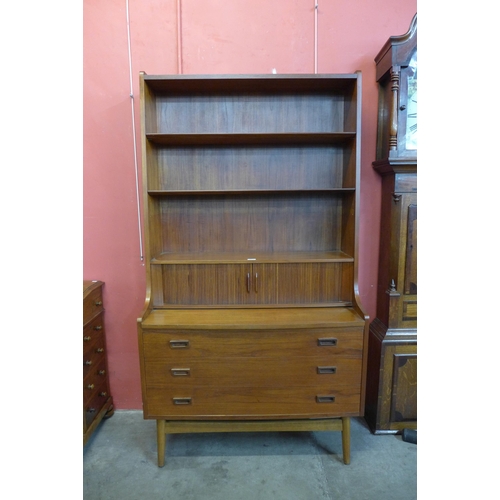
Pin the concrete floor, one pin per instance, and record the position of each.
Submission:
(119, 462)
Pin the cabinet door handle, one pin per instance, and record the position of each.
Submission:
(256, 276)
(181, 401)
(179, 344)
(327, 342)
(327, 370)
(325, 399)
(248, 282)
(180, 372)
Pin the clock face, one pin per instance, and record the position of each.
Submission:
(411, 105)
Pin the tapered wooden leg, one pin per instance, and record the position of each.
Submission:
(160, 438)
(346, 440)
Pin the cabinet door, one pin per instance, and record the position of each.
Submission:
(313, 283)
(218, 284)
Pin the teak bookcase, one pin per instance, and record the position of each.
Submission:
(252, 319)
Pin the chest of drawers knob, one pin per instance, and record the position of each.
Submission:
(325, 399)
(326, 370)
(182, 401)
(179, 344)
(180, 372)
(327, 342)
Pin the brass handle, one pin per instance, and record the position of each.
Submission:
(99, 349)
(103, 394)
(102, 372)
(87, 338)
(90, 386)
(98, 303)
(327, 342)
(325, 370)
(325, 399)
(181, 401)
(88, 362)
(98, 327)
(179, 344)
(248, 282)
(180, 372)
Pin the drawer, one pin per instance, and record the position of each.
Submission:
(92, 304)
(179, 344)
(93, 330)
(325, 400)
(93, 404)
(95, 376)
(255, 372)
(93, 356)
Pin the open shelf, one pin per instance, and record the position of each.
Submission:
(231, 139)
(250, 257)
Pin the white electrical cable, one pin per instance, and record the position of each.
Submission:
(316, 36)
(134, 137)
(179, 37)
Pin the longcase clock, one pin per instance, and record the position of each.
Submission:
(391, 398)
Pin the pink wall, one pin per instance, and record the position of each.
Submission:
(217, 37)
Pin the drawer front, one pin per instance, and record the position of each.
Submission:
(92, 331)
(92, 304)
(94, 403)
(193, 344)
(96, 376)
(94, 355)
(254, 372)
(325, 400)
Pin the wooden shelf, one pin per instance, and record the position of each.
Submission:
(250, 257)
(250, 139)
(208, 84)
(208, 192)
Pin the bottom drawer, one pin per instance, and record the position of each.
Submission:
(94, 405)
(242, 402)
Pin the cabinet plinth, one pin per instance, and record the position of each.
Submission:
(252, 318)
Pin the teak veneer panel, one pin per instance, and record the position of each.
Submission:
(252, 318)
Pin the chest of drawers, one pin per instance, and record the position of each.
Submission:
(97, 400)
(231, 369)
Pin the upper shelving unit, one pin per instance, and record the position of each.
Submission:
(251, 169)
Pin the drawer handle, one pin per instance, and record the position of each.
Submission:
(102, 372)
(99, 349)
(88, 362)
(327, 342)
(87, 338)
(327, 370)
(98, 327)
(179, 344)
(182, 401)
(91, 410)
(98, 303)
(325, 399)
(90, 387)
(103, 394)
(180, 372)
